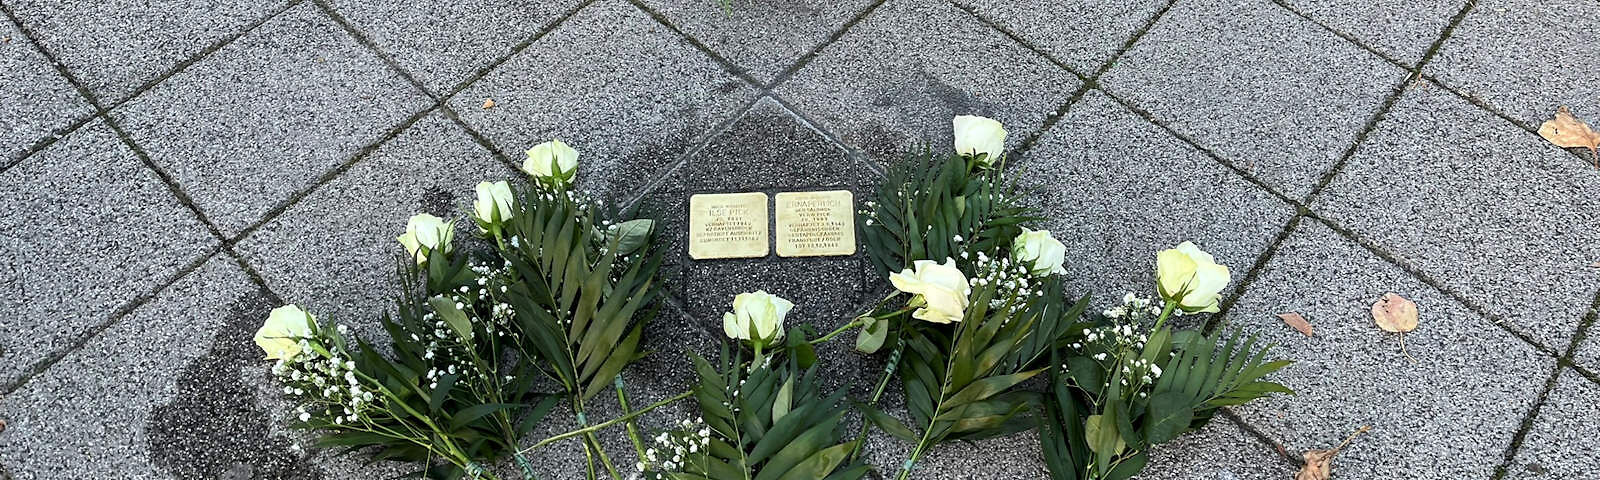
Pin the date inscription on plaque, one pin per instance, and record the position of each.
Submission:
(728, 225)
(816, 224)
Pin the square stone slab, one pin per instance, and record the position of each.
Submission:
(335, 252)
(763, 38)
(628, 94)
(38, 102)
(249, 125)
(1277, 95)
(1492, 212)
(896, 79)
(162, 393)
(1525, 58)
(1563, 434)
(1082, 34)
(443, 42)
(1462, 398)
(1221, 450)
(116, 46)
(1401, 29)
(1116, 189)
(87, 228)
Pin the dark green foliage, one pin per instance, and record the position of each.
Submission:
(1096, 428)
(927, 200)
(767, 422)
(576, 297)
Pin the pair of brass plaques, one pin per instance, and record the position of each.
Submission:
(809, 224)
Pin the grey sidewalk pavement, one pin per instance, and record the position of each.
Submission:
(173, 169)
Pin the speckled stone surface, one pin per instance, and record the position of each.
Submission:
(291, 126)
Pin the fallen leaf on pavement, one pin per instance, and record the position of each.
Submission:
(488, 103)
(1319, 463)
(1594, 265)
(1567, 131)
(1298, 322)
(1394, 313)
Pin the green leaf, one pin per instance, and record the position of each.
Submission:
(780, 405)
(453, 317)
(1129, 467)
(1101, 433)
(630, 236)
(820, 464)
(886, 423)
(475, 412)
(442, 392)
(1169, 416)
(872, 335)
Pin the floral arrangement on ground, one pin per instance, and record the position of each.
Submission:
(979, 332)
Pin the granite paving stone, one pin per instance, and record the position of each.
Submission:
(1116, 189)
(1220, 451)
(1276, 95)
(883, 88)
(1492, 212)
(335, 252)
(86, 229)
(763, 38)
(1525, 58)
(37, 100)
(246, 127)
(443, 42)
(116, 46)
(627, 93)
(1403, 30)
(1588, 352)
(1460, 394)
(139, 415)
(1083, 34)
(1562, 437)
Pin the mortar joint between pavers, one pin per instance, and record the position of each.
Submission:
(1419, 275)
(78, 342)
(1526, 425)
(484, 70)
(331, 174)
(1217, 320)
(787, 73)
(1477, 102)
(365, 40)
(701, 141)
(1388, 103)
(100, 111)
(1281, 452)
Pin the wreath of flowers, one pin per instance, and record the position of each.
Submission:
(979, 309)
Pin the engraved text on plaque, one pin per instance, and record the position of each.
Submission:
(814, 224)
(728, 225)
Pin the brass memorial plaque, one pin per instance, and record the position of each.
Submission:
(815, 224)
(728, 225)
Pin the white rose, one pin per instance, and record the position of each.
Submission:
(975, 135)
(942, 288)
(1041, 252)
(424, 233)
(494, 202)
(757, 317)
(1190, 277)
(280, 335)
(551, 160)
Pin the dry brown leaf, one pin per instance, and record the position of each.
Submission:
(1567, 131)
(1319, 463)
(488, 103)
(1394, 313)
(1298, 322)
(1594, 265)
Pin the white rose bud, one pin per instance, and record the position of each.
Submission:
(1042, 253)
(552, 160)
(943, 290)
(280, 335)
(494, 203)
(424, 233)
(1190, 277)
(756, 317)
(979, 135)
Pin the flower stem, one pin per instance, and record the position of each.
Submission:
(633, 429)
(599, 426)
(1166, 311)
(858, 322)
